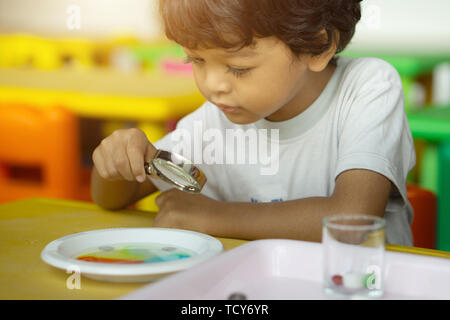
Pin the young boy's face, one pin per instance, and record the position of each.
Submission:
(262, 81)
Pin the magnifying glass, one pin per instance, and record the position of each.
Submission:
(177, 171)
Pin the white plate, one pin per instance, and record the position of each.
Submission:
(178, 250)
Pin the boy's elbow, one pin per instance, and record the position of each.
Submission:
(110, 207)
(106, 204)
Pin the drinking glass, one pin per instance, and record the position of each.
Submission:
(353, 256)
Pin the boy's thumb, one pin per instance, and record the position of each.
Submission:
(150, 153)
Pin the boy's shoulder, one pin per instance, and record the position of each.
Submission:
(368, 69)
(367, 62)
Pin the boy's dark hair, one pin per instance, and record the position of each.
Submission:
(235, 23)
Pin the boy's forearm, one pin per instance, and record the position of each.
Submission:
(295, 219)
(356, 191)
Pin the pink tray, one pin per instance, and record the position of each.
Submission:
(289, 269)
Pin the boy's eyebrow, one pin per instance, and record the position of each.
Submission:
(241, 53)
(232, 53)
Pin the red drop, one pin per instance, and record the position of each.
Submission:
(337, 279)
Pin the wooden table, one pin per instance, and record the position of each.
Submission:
(27, 226)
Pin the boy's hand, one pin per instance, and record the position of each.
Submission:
(121, 155)
(179, 209)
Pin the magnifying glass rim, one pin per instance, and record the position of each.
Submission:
(196, 174)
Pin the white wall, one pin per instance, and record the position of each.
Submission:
(410, 26)
(97, 17)
(404, 25)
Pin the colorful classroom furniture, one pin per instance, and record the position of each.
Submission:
(152, 55)
(433, 126)
(115, 52)
(147, 99)
(39, 149)
(432, 123)
(25, 50)
(423, 227)
(443, 231)
(411, 68)
(430, 127)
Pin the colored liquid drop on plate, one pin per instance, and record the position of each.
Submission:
(136, 253)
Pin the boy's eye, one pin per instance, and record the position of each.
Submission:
(189, 59)
(237, 72)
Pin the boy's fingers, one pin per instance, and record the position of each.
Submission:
(99, 164)
(137, 154)
(139, 150)
(109, 167)
(112, 172)
(123, 166)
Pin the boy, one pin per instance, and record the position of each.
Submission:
(340, 131)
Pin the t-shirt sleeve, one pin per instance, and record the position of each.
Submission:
(373, 128)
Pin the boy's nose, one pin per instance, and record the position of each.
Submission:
(217, 85)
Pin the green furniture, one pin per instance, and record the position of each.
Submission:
(433, 125)
(409, 66)
(150, 55)
(443, 219)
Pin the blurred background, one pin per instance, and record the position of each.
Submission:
(72, 72)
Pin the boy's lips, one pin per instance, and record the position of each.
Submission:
(226, 108)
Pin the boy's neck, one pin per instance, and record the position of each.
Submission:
(307, 95)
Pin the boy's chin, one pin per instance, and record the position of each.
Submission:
(241, 119)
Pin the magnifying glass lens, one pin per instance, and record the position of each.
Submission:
(176, 170)
(174, 173)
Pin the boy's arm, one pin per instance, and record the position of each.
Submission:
(119, 194)
(356, 192)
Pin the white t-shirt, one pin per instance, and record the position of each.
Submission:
(357, 122)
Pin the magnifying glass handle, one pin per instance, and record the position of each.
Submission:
(149, 169)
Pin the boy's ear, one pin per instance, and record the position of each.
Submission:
(320, 61)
